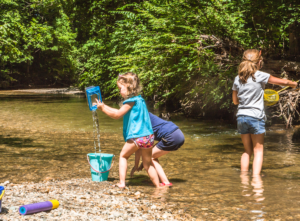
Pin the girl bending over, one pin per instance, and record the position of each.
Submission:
(169, 137)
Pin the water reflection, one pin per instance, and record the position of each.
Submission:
(253, 191)
(161, 193)
(258, 188)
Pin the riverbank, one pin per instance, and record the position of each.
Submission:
(82, 199)
(65, 90)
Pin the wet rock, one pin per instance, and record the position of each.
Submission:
(296, 135)
(153, 207)
(48, 179)
(6, 183)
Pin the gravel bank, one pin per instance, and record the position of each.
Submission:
(82, 199)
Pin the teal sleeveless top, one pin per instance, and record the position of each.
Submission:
(136, 122)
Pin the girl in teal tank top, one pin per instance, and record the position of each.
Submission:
(137, 128)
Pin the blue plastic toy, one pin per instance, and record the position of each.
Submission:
(92, 93)
(1, 195)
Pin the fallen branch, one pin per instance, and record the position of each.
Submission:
(287, 107)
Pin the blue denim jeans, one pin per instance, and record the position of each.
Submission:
(250, 125)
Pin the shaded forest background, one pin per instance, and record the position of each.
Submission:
(185, 52)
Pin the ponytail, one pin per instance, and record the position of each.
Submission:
(249, 65)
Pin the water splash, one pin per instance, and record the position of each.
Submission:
(96, 133)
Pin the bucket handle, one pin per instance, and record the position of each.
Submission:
(2, 194)
(88, 159)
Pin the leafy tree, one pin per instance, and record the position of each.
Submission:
(186, 52)
(35, 41)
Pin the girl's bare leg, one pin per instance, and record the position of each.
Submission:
(258, 147)
(148, 166)
(248, 146)
(128, 149)
(156, 153)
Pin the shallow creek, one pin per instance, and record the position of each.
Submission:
(48, 136)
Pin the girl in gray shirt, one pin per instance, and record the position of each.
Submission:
(248, 94)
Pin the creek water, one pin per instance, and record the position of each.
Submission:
(43, 137)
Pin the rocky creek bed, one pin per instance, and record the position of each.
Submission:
(82, 199)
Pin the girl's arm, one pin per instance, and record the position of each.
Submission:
(282, 82)
(113, 112)
(235, 98)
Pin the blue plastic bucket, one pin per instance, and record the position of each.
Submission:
(92, 93)
(1, 196)
(100, 167)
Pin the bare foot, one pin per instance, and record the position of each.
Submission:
(119, 185)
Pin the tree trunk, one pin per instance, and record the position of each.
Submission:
(294, 39)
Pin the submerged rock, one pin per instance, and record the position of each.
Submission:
(296, 135)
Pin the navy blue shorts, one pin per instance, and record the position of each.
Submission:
(250, 125)
(172, 141)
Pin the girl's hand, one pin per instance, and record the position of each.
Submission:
(100, 104)
(132, 172)
(141, 167)
(296, 85)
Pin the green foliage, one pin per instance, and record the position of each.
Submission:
(161, 41)
(35, 37)
(184, 51)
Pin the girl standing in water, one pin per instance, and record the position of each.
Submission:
(248, 94)
(137, 129)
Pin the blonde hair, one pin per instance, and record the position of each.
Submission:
(132, 82)
(249, 64)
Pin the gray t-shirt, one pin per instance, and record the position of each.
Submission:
(251, 95)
